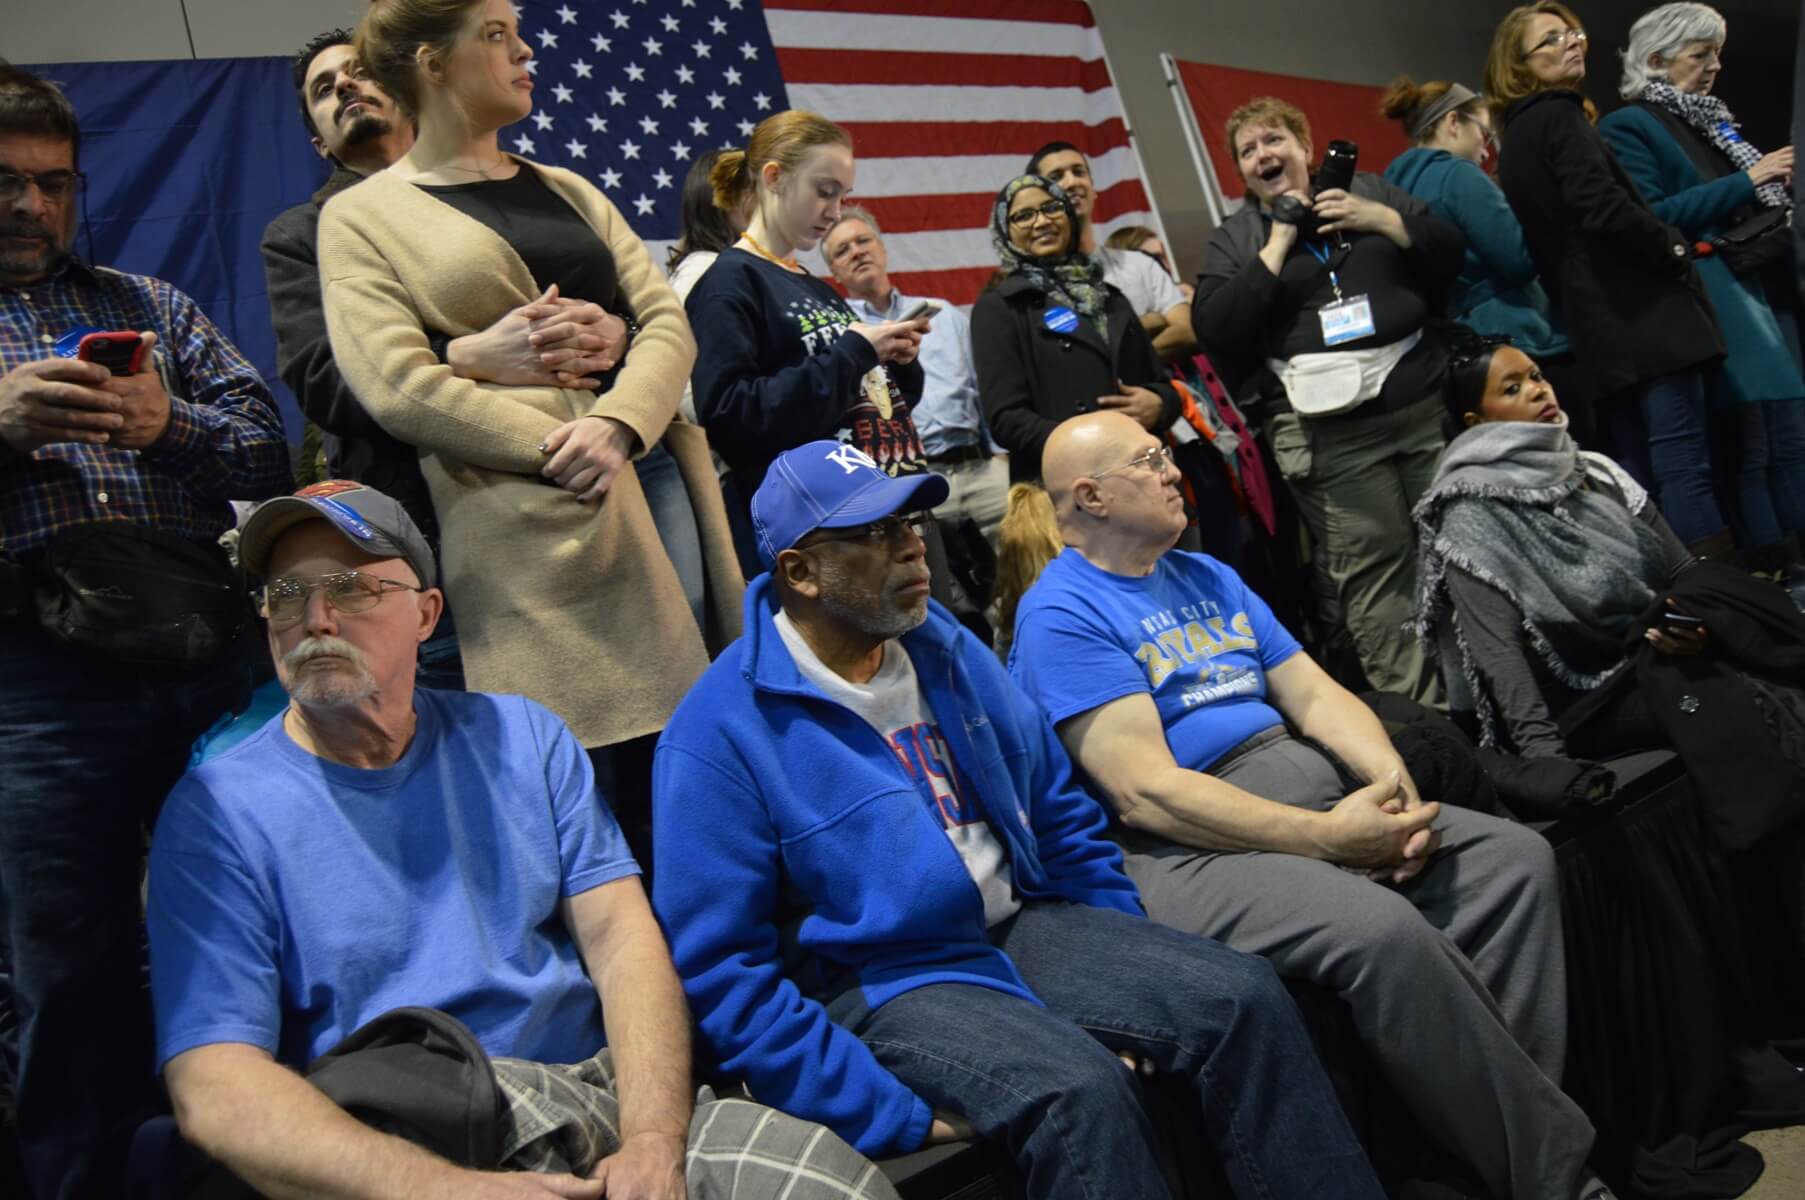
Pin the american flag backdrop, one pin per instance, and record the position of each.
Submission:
(944, 101)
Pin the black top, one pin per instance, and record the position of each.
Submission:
(550, 237)
(780, 365)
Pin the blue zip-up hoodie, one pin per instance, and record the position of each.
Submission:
(803, 882)
(1497, 291)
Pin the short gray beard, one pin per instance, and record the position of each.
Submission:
(332, 689)
(868, 613)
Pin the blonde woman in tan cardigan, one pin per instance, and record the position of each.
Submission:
(565, 592)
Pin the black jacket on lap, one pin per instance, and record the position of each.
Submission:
(1032, 378)
(1621, 278)
(356, 446)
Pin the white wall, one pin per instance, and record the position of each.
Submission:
(1345, 40)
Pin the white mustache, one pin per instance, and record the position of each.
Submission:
(316, 647)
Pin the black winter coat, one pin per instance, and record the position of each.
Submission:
(1032, 378)
(1622, 279)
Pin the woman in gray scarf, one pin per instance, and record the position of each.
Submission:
(1685, 150)
(1536, 563)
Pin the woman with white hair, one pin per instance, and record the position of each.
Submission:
(1682, 147)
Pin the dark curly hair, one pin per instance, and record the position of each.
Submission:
(304, 59)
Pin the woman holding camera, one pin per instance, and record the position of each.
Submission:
(1681, 146)
(1622, 279)
(1317, 298)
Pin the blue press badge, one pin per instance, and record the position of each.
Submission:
(1060, 320)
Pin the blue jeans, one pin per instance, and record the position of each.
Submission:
(1045, 1083)
(1672, 408)
(1770, 478)
(88, 749)
(662, 482)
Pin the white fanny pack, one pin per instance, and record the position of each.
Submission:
(1337, 381)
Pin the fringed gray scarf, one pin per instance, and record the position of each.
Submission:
(1510, 506)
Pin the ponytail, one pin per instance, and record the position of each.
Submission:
(732, 180)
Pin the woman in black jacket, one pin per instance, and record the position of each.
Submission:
(1622, 279)
(1052, 340)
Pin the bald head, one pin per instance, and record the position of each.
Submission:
(1083, 446)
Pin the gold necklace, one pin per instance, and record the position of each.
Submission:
(483, 171)
(787, 263)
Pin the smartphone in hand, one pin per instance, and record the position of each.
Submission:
(120, 352)
(921, 310)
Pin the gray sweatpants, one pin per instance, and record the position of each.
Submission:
(1456, 979)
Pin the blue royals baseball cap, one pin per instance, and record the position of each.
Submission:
(831, 485)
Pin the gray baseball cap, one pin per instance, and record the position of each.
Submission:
(370, 520)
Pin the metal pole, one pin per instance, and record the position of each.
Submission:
(1200, 158)
(1134, 143)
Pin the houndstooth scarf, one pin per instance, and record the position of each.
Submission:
(1510, 507)
(1711, 117)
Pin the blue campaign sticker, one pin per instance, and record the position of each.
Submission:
(1061, 319)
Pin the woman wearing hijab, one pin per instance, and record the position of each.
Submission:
(1682, 147)
(1052, 340)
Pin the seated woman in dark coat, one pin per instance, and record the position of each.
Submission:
(1053, 340)
(1537, 563)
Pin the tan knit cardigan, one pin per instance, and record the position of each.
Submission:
(574, 605)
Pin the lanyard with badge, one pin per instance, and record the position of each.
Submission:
(1349, 318)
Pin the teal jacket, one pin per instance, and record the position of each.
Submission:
(1758, 368)
(1497, 291)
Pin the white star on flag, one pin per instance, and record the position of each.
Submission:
(524, 144)
(719, 26)
(701, 49)
(734, 4)
(602, 45)
(562, 93)
(666, 99)
(746, 128)
(663, 177)
(649, 125)
(716, 100)
(670, 23)
(699, 127)
(547, 38)
(636, 73)
(619, 18)
(532, 66)
(611, 178)
(577, 149)
(597, 124)
(732, 77)
(582, 69)
(749, 50)
(680, 151)
(644, 205)
(762, 100)
(543, 120)
(629, 150)
(653, 46)
(567, 15)
(616, 96)
(685, 75)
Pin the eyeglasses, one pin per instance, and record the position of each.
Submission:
(1556, 39)
(1485, 131)
(1156, 460)
(53, 185)
(1021, 218)
(284, 601)
(888, 531)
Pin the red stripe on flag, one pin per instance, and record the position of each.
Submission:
(1042, 12)
(929, 214)
(922, 68)
(941, 139)
(961, 285)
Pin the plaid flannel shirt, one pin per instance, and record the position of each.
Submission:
(225, 439)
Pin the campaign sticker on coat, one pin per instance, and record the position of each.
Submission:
(1060, 320)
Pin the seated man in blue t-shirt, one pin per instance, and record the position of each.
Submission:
(1188, 705)
(378, 846)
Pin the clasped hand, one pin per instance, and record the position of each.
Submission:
(554, 341)
(1385, 829)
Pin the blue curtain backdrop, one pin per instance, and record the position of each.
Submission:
(187, 161)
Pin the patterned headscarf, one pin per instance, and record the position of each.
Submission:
(1073, 278)
(1711, 117)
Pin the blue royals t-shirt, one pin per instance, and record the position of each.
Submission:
(293, 899)
(1191, 634)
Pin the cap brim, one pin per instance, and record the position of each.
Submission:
(275, 517)
(896, 494)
